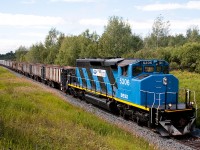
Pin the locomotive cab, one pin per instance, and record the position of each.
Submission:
(139, 80)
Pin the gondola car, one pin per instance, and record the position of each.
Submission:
(140, 90)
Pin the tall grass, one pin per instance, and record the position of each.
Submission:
(189, 80)
(34, 118)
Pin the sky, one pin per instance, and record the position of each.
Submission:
(26, 22)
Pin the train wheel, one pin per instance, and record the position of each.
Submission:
(125, 116)
(149, 124)
(81, 95)
(138, 121)
(52, 85)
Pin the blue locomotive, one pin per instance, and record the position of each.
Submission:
(140, 90)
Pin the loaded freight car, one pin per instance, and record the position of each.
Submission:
(6, 63)
(2, 62)
(20, 67)
(27, 69)
(37, 72)
(14, 66)
(55, 76)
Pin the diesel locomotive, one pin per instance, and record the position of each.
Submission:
(136, 89)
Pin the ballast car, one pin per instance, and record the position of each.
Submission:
(136, 89)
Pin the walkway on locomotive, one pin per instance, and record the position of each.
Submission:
(145, 83)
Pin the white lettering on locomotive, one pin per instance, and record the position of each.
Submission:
(124, 81)
(124, 95)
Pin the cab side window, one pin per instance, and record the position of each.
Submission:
(125, 71)
(165, 69)
(136, 70)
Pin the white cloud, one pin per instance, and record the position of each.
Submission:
(93, 22)
(184, 24)
(28, 1)
(177, 26)
(193, 5)
(146, 24)
(116, 10)
(141, 24)
(170, 6)
(7, 19)
(74, 1)
(12, 44)
(33, 34)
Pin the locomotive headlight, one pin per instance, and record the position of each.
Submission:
(191, 103)
(169, 105)
(165, 81)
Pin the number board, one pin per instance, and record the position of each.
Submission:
(147, 62)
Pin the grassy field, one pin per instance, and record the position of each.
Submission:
(34, 118)
(190, 81)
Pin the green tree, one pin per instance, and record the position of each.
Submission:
(89, 44)
(177, 40)
(8, 56)
(192, 34)
(136, 43)
(69, 51)
(116, 39)
(20, 53)
(159, 35)
(52, 43)
(190, 56)
(36, 54)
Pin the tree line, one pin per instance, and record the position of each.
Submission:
(117, 40)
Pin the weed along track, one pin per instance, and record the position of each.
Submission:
(153, 138)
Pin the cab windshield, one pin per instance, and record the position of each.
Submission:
(136, 70)
(149, 69)
(158, 69)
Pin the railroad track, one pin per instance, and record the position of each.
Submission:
(192, 141)
(194, 144)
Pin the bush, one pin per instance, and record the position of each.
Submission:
(174, 65)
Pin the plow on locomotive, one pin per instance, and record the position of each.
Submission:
(136, 89)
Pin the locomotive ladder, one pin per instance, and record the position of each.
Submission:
(157, 110)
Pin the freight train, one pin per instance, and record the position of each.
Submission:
(136, 89)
